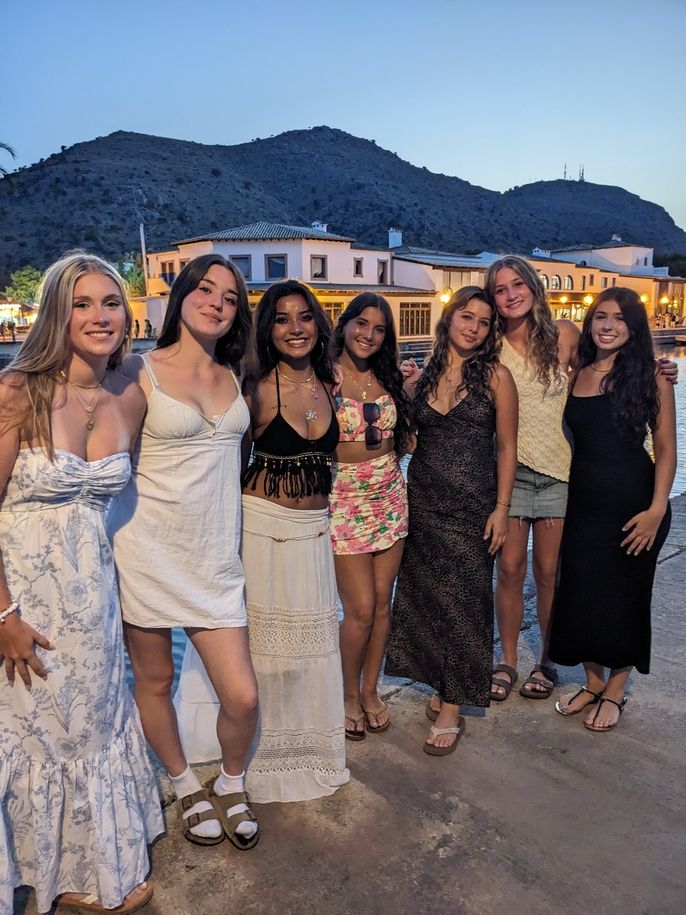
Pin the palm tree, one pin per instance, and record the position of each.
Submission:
(4, 171)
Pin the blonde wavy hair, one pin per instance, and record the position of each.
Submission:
(45, 353)
(542, 338)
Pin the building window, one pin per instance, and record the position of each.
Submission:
(358, 263)
(583, 281)
(275, 266)
(556, 283)
(614, 280)
(318, 267)
(415, 319)
(182, 264)
(167, 272)
(604, 284)
(568, 283)
(382, 272)
(645, 261)
(591, 279)
(244, 264)
(332, 310)
(544, 279)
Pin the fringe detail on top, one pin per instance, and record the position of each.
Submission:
(296, 477)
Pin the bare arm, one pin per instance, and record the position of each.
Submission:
(506, 422)
(568, 345)
(643, 527)
(17, 638)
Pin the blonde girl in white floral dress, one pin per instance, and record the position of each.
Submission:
(78, 798)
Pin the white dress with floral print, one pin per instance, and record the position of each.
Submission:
(78, 801)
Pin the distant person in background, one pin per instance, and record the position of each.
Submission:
(442, 628)
(78, 800)
(136, 328)
(148, 329)
(618, 514)
(12, 327)
(3, 330)
(368, 500)
(183, 504)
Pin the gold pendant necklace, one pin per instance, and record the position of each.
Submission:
(364, 390)
(89, 407)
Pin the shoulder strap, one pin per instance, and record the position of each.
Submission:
(278, 389)
(149, 369)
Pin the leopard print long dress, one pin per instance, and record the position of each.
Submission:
(442, 629)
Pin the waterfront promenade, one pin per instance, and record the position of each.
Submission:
(532, 815)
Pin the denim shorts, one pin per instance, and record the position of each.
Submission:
(537, 496)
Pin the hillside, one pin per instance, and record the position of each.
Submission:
(94, 195)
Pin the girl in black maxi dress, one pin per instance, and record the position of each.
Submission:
(602, 607)
(442, 626)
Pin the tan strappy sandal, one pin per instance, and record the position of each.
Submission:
(190, 800)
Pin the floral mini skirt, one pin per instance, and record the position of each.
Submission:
(368, 505)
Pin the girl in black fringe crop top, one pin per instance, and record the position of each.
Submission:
(288, 462)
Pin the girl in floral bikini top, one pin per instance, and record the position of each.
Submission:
(368, 501)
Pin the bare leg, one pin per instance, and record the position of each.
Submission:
(608, 713)
(447, 718)
(546, 549)
(385, 564)
(357, 591)
(153, 670)
(226, 656)
(509, 591)
(595, 683)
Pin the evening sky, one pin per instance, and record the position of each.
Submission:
(498, 93)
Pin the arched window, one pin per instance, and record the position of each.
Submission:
(555, 282)
(569, 283)
(544, 279)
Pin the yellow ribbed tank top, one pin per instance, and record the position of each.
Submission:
(542, 442)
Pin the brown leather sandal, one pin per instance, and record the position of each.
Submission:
(541, 689)
(379, 729)
(190, 800)
(353, 733)
(435, 732)
(223, 803)
(501, 682)
(90, 903)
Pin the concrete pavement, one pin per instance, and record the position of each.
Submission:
(533, 813)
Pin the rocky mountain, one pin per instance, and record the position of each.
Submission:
(95, 194)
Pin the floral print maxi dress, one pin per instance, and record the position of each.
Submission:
(78, 802)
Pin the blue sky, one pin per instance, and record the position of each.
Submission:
(498, 93)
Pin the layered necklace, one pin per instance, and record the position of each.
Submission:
(88, 406)
(364, 388)
(310, 383)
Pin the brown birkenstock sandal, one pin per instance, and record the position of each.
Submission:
(224, 803)
(542, 690)
(501, 682)
(190, 800)
(435, 732)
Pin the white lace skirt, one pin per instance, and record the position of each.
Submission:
(299, 748)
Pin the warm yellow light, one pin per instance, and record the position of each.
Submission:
(644, 298)
(664, 300)
(564, 299)
(588, 299)
(446, 295)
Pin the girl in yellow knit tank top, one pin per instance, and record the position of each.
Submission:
(541, 353)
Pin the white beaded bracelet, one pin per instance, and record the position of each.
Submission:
(13, 608)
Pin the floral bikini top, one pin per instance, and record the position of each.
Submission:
(354, 424)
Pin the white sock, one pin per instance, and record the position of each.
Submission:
(227, 784)
(185, 784)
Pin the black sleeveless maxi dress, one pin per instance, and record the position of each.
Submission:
(601, 612)
(442, 626)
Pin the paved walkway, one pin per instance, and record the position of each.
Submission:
(533, 814)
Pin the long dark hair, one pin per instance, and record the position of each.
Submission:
(231, 347)
(479, 367)
(631, 382)
(265, 356)
(384, 363)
